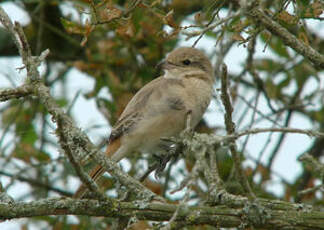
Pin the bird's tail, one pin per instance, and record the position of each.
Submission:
(97, 172)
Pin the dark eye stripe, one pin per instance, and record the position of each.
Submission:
(200, 65)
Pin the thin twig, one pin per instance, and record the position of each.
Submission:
(308, 132)
(311, 190)
(255, 13)
(267, 117)
(230, 128)
(207, 28)
(36, 182)
(251, 122)
(22, 91)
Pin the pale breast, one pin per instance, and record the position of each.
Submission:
(199, 94)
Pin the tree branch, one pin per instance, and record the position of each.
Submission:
(255, 13)
(280, 215)
(84, 148)
(22, 91)
(308, 132)
(78, 142)
(230, 128)
(37, 183)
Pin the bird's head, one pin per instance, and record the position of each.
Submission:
(187, 62)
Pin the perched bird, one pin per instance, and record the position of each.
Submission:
(160, 108)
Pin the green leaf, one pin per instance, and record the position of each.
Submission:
(276, 45)
(73, 27)
(61, 102)
(267, 64)
(29, 136)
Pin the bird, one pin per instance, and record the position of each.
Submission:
(160, 108)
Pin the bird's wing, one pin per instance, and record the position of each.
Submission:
(158, 97)
(160, 94)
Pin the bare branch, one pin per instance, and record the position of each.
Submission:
(315, 165)
(208, 28)
(22, 91)
(300, 215)
(310, 133)
(230, 128)
(36, 183)
(21, 42)
(289, 39)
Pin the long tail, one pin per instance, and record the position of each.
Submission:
(97, 172)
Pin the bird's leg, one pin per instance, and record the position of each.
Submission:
(188, 121)
(187, 133)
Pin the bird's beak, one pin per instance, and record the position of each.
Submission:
(164, 65)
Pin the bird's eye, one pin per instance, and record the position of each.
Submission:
(186, 62)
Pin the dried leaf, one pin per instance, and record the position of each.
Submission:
(285, 17)
(72, 27)
(105, 46)
(238, 37)
(303, 37)
(88, 29)
(239, 25)
(110, 13)
(169, 20)
(127, 30)
(315, 10)
(156, 2)
(81, 65)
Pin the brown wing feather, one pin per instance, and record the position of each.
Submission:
(132, 113)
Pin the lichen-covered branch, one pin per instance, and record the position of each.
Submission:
(315, 166)
(280, 215)
(77, 141)
(84, 148)
(31, 63)
(22, 91)
(66, 142)
(255, 13)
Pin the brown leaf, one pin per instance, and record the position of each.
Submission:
(315, 10)
(287, 18)
(127, 30)
(169, 20)
(106, 46)
(238, 37)
(303, 37)
(240, 25)
(88, 28)
(72, 27)
(156, 2)
(110, 13)
(80, 65)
